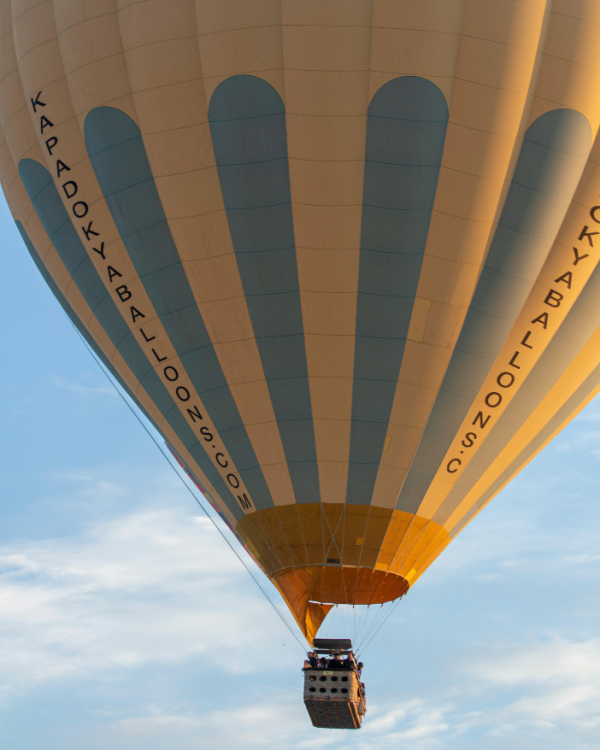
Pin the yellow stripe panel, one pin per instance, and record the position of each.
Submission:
(559, 261)
(574, 376)
(488, 112)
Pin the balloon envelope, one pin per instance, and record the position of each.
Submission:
(342, 254)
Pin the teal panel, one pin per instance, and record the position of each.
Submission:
(551, 160)
(406, 129)
(59, 228)
(247, 123)
(118, 155)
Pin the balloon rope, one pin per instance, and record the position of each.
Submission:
(185, 484)
(381, 624)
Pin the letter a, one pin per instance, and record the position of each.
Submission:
(567, 278)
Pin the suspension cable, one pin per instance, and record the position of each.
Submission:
(185, 484)
(381, 624)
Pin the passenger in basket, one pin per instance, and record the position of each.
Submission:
(359, 668)
(323, 662)
(312, 658)
(336, 662)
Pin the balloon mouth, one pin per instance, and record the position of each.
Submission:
(312, 590)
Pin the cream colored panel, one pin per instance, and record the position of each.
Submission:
(490, 104)
(562, 263)
(325, 94)
(578, 371)
(335, 13)
(70, 144)
(91, 52)
(71, 12)
(415, 39)
(571, 67)
(172, 115)
(223, 15)
(443, 16)
(326, 52)
(248, 51)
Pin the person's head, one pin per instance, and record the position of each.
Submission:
(360, 665)
(336, 656)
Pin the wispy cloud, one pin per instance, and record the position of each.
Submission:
(561, 677)
(147, 584)
(152, 586)
(85, 390)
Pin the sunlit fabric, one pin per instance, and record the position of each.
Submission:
(342, 255)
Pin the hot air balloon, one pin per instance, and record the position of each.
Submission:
(342, 254)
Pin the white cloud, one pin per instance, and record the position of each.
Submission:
(558, 682)
(155, 585)
(276, 722)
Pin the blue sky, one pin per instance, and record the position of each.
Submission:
(126, 622)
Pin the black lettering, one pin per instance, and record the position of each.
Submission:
(543, 319)
(470, 436)
(81, 212)
(514, 359)
(194, 412)
(207, 433)
(589, 235)
(146, 337)
(454, 460)
(231, 478)
(45, 123)
(567, 278)
(101, 251)
(61, 167)
(51, 143)
(511, 379)
(112, 272)
(70, 185)
(528, 334)
(593, 210)
(184, 391)
(225, 465)
(135, 313)
(579, 257)
(497, 396)
(167, 376)
(35, 103)
(89, 231)
(553, 298)
(244, 502)
(123, 292)
(158, 357)
(482, 422)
